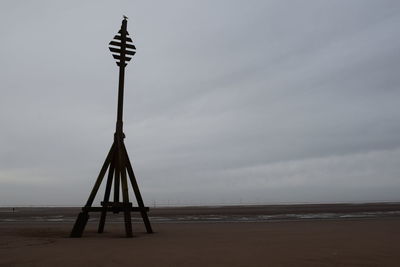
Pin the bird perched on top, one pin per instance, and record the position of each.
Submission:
(125, 17)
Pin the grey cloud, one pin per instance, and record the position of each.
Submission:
(264, 101)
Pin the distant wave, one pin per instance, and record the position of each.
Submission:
(215, 217)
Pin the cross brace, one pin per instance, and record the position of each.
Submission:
(118, 165)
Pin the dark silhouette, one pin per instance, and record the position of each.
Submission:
(117, 161)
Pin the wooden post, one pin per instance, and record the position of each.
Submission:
(117, 161)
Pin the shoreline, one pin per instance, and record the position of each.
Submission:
(264, 213)
(370, 242)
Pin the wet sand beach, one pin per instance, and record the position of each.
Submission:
(307, 242)
(367, 242)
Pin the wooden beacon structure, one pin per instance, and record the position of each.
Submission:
(117, 161)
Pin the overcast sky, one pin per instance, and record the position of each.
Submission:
(226, 102)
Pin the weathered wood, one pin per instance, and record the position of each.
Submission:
(119, 64)
(127, 212)
(135, 187)
(124, 186)
(120, 208)
(127, 33)
(118, 37)
(116, 181)
(126, 58)
(126, 45)
(127, 52)
(100, 177)
(115, 204)
(80, 224)
(106, 196)
(117, 161)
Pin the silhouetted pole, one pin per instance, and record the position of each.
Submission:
(119, 131)
(117, 161)
(121, 80)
